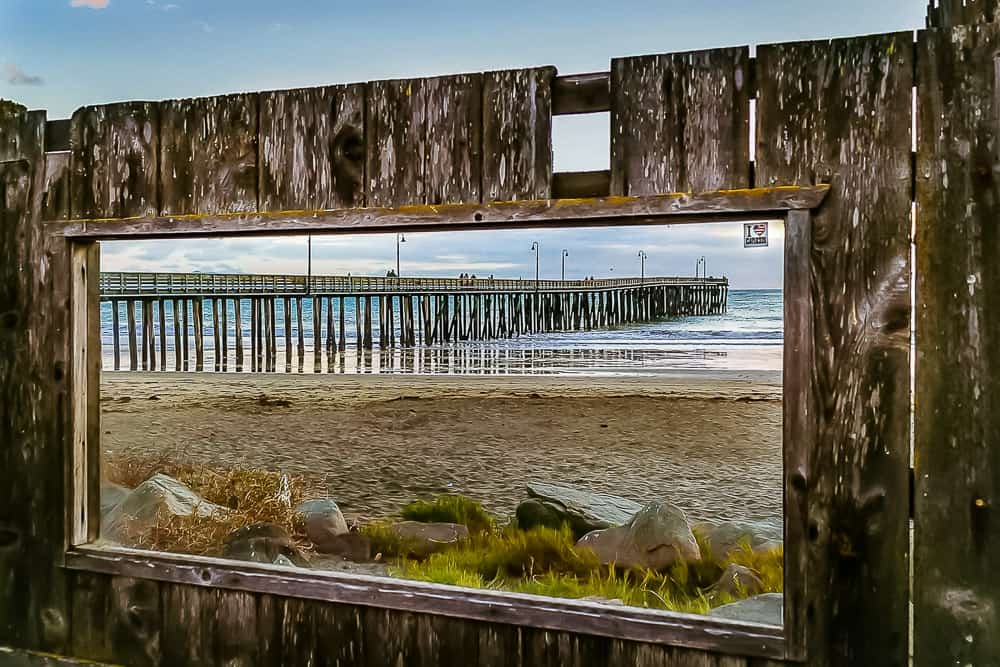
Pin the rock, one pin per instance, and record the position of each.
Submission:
(262, 543)
(614, 602)
(159, 495)
(423, 539)
(338, 565)
(283, 560)
(739, 581)
(324, 523)
(535, 513)
(349, 546)
(725, 538)
(655, 538)
(111, 495)
(583, 510)
(766, 609)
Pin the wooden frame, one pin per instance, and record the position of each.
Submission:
(792, 205)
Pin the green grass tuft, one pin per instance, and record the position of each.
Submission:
(450, 509)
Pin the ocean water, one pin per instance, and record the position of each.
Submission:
(748, 337)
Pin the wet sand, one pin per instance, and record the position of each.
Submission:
(710, 442)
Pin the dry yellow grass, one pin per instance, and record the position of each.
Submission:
(252, 496)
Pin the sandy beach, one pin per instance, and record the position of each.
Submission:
(710, 442)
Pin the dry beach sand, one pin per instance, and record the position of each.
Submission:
(709, 442)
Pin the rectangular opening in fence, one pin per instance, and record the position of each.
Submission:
(593, 414)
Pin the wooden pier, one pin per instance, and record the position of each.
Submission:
(226, 318)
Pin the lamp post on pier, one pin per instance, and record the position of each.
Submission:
(565, 254)
(536, 248)
(642, 266)
(400, 238)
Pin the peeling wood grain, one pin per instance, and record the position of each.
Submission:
(311, 148)
(675, 208)
(957, 438)
(424, 143)
(680, 122)
(821, 105)
(208, 159)
(57, 184)
(115, 149)
(517, 134)
(34, 401)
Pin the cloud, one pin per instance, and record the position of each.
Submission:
(92, 4)
(15, 76)
(205, 27)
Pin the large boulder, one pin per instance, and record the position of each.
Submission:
(263, 543)
(423, 539)
(766, 609)
(739, 581)
(157, 498)
(584, 511)
(111, 496)
(654, 539)
(323, 521)
(725, 538)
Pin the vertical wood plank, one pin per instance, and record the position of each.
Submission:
(114, 160)
(396, 149)
(35, 410)
(57, 183)
(517, 134)
(453, 168)
(957, 417)
(312, 148)
(208, 160)
(680, 122)
(424, 140)
(821, 105)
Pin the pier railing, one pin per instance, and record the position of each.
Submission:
(170, 284)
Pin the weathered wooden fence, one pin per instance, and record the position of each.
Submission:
(836, 112)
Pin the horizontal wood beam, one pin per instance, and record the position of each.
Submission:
(675, 208)
(647, 625)
(581, 93)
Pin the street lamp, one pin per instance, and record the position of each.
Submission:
(565, 254)
(535, 248)
(700, 263)
(642, 266)
(309, 265)
(400, 238)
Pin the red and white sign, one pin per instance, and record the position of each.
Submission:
(755, 235)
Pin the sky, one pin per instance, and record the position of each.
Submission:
(59, 55)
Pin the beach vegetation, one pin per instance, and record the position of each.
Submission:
(539, 561)
(450, 508)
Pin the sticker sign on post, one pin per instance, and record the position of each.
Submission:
(755, 235)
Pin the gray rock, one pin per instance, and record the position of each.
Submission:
(111, 495)
(262, 543)
(739, 581)
(323, 521)
(159, 496)
(725, 538)
(423, 539)
(535, 513)
(349, 546)
(338, 565)
(655, 538)
(283, 560)
(584, 510)
(766, 609)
